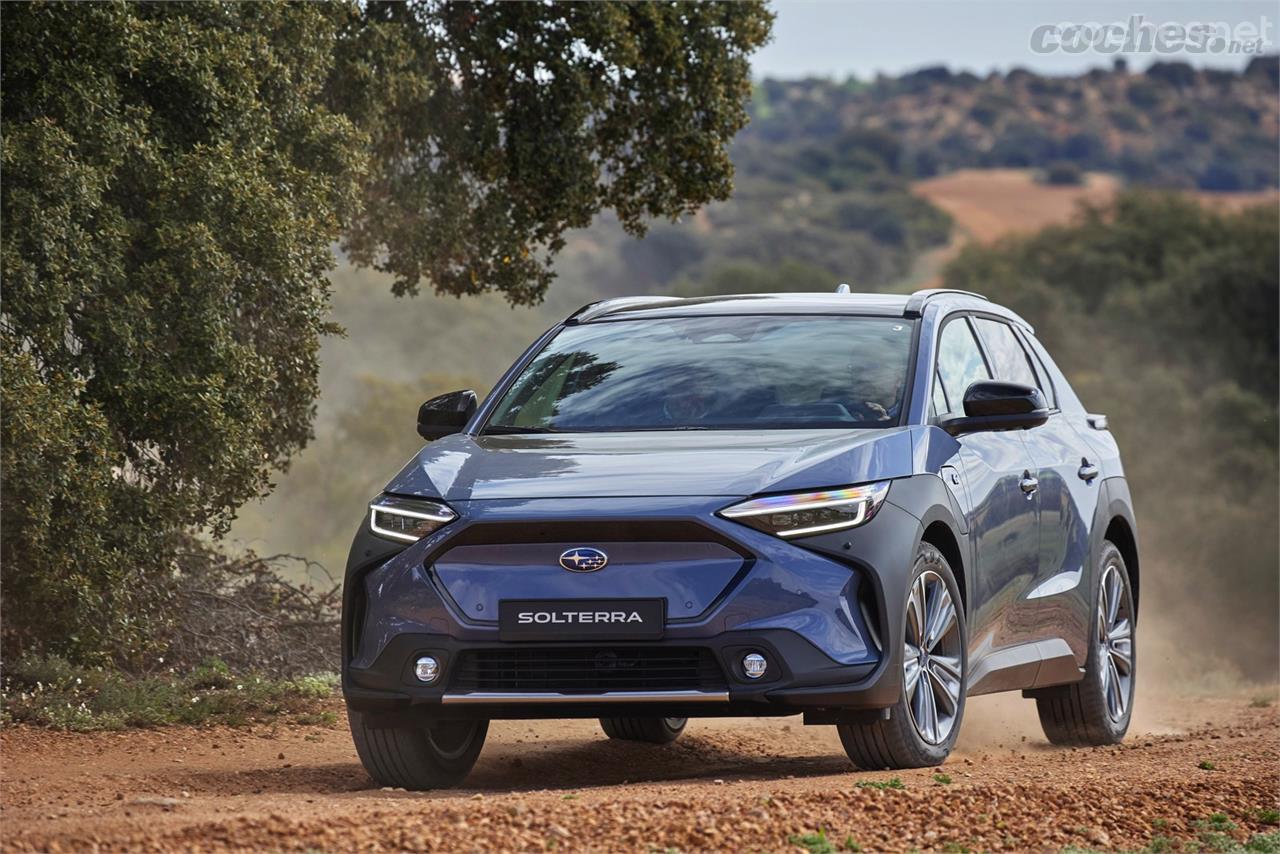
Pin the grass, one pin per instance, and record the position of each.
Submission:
(49, 692)
(820, 843)
(1260, 702)
(1266, 816)
(944, 779)
(1266, 843)
(814, 843)
(894, 783)
(1206, 765)
(1211, 840)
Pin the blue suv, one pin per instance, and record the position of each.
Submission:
(858, 508)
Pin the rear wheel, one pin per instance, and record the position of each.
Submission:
(652, 730)
(418, 757)
(922, 726)
(1096, 710)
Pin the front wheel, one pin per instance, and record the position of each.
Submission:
(652, 730)
(434, 757)
(1096, 710)
(922, 726)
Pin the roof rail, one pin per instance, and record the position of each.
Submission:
(605, 306)
(916, 302)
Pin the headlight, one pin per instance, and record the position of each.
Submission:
(806, 513)
(407, 520)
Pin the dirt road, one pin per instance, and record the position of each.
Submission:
(746, 785)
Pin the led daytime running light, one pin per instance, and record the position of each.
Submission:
(863, 501)
(413, 518)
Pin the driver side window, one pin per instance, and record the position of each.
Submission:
(960, 363)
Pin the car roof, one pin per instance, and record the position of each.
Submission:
(876, 305)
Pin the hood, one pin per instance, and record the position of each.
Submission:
(672, 463)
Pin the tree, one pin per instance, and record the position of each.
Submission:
(496, 128)
(174, 178)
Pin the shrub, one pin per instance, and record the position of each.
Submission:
(48, 691)
(1063, 173)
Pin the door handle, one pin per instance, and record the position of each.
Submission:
(1088, 471)
(1030, 483)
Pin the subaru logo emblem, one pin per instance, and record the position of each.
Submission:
(583, 559)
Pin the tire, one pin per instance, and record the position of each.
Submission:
(907, 739)
(652, 730)
(418, 757)
(1090, 712)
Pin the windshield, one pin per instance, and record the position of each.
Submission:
(713, 373)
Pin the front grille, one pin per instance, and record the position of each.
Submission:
(587, 669)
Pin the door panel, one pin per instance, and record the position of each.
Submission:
(1004, 528)
(1058, 600)
(1054, 605)
(1003, 519)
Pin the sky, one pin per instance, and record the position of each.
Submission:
(839, 38)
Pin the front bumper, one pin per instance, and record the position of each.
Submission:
(817, 609)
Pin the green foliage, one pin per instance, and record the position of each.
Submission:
(531, 118)
(175, 178)
(48, 691)
(1206, 765)
(943, 779)
(814, 843)
(1173, 126)
(1162, 313)
(1063, 174)
(1217, 821)
(171, 190)
(1266, 815)
(1264, 843)
(891, 783)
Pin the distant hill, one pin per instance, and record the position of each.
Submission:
(1172, 126)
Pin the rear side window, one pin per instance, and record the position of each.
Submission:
(960, 364)
(1009, 359)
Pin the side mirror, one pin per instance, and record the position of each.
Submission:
(445, 415)
(997, 405)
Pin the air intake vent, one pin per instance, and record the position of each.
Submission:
(587, 669)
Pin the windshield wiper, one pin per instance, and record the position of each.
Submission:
(512, 430)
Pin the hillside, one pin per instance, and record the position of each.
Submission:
(1171, 126)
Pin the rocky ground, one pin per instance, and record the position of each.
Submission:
(1192, 771)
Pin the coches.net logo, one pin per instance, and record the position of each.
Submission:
(1138, 35)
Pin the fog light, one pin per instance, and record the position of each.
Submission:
(426, 669)
(754, 665)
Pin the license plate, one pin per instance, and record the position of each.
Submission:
(581, 619)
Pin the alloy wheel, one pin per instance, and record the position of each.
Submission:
(1115, 642)
(932, 663)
